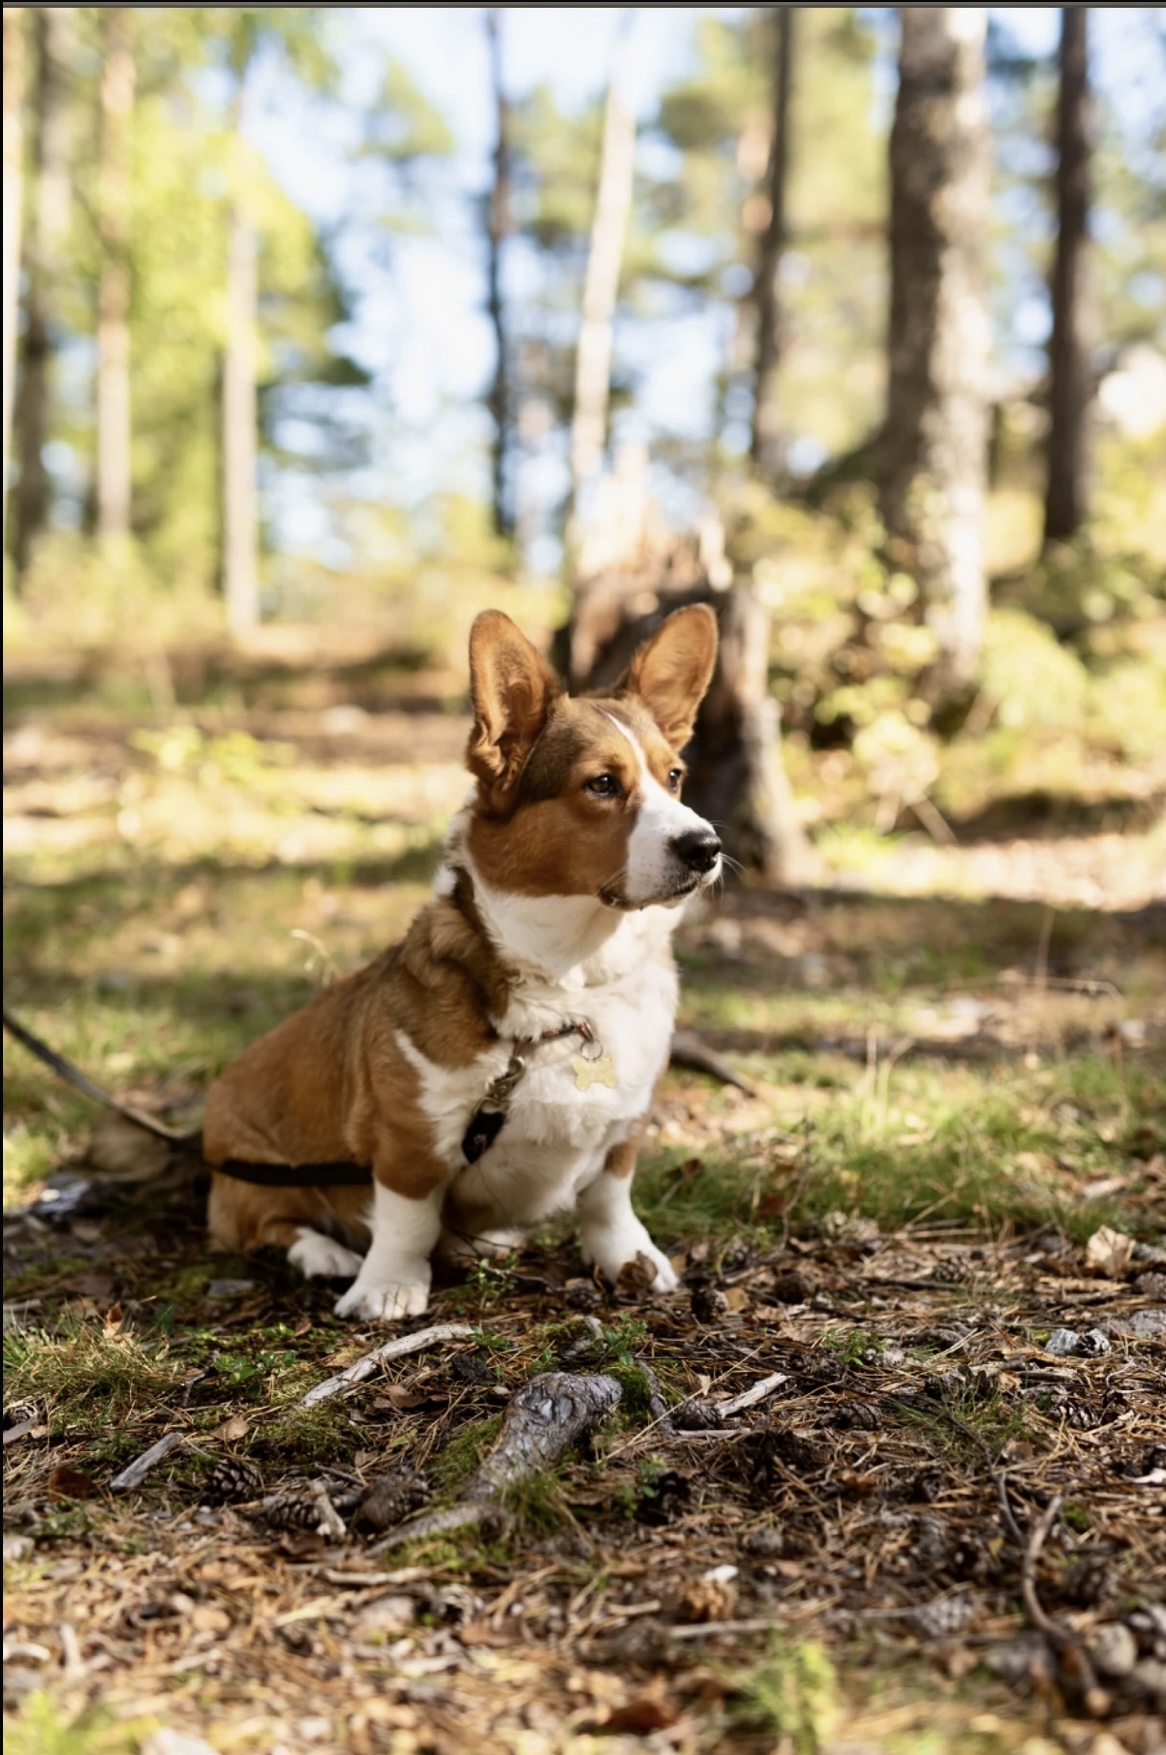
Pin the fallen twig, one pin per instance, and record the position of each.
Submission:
(549, 1413)
(397, 1348)
(135, 1473)
(750, 1397)
(1075, 1662)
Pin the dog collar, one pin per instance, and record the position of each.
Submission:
(489, 1118)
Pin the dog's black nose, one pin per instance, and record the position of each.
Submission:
(699, 849)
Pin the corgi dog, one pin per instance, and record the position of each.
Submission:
(497, 1065)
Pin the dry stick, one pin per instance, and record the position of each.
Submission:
(1095, 1699)
(547, 1414)
(394, 1349)
(135, 1473)
(750, 1397)
(688, 1050)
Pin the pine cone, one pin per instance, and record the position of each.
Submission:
(304, 1507)
(234, 1480)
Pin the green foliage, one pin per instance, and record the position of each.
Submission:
(792, 1694)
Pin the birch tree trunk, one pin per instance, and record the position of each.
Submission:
(498, 401)
(49, 218)
(934, 443)
(240, 399)
(593, 355)
(113, 327)
(13, 211)
(765, 448)
(1071, 388)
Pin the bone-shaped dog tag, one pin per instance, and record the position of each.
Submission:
(594, 1072)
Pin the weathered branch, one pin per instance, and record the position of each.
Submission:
(544, 1419)
(397, 1348)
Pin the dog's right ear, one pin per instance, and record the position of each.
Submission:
(511, 688)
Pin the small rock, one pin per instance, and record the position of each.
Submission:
(17, 1548)
(1062, 1342)
(1148, 1681)
(222, 1290)
(765, 1543)
(1114, 1650)
(175, 1743)
(387, 1615)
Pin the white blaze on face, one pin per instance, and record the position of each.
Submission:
(654, 872)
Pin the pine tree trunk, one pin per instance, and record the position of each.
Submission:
(765, 449)
(49, 219)
(13, 211)
(240, 401)
(601, 288)
(498, 400)
(113, 326)
(1071, 389)
(934, 443)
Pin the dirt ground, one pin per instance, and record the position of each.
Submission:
(928, 1238)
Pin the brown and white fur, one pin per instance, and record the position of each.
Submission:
(563, 882)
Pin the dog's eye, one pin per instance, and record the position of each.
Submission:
(675, 776)
(603, 786)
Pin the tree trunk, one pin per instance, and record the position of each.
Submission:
(765, 448)
(113, 328)
(13, 209)
(1071, 388)
(601, 288)
(240, 400)
(497, 227)
(935, 440)
(49, 220)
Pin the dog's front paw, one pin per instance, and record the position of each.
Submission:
(611, 1251)
(385, 1301)
(322, 1258)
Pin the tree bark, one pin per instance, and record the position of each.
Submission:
(934, 443)
(765, 446)
(113, 326)
(498, 400)
(49, 220)
(240, 399)
(13, 213)
(1071, 388)
(593, 356)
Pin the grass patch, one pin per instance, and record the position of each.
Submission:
(88, 1374)
(792, 1695)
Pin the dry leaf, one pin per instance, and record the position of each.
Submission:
(67, 1483)
(233, 1429)
(1108, 1253)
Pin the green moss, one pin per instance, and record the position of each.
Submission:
(459, 1458)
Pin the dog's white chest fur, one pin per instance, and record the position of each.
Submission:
(562, 1121)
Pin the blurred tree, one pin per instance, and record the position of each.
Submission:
(593, 353)
(709, 212)
(934, 444)
(1071, 383)
(499, 399)
(49, 220)
(295, 32)
(13, 213)
(113, 296)
(765, 447)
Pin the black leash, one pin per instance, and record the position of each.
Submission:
(331, 1175)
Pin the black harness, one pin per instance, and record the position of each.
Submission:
(485, 1124)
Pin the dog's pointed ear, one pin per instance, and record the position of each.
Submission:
(672, 671)
(511, 688)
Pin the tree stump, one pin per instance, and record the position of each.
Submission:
(736, 778)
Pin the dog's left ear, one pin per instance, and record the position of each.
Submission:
(672, 671)
(512, 688)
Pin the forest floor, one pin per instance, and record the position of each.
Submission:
(930, 1238)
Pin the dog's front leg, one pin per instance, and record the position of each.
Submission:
(395, 1275)
(610, 1234)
